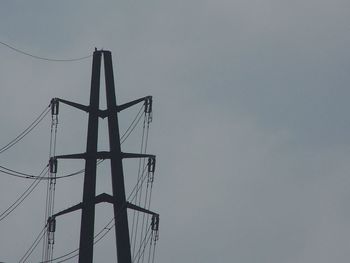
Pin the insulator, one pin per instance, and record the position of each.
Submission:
(149, 118)
(156, 235)
(52, 225)
(151, 164)
(54, 106)
(155, 222)
(53, 165)
(148, 105)
(150, 178)
(51, 240)
(155, 226)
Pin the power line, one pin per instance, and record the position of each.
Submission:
(130, 129)
(107, 227)
(43, 58)
(145, 241)
(16, 174)
(26, 131)
(34, 245)
(35, 177)
(41, 177)
(23, 175)
(87, 238)
(23, 196)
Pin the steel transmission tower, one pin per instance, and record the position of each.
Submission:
(115, 155)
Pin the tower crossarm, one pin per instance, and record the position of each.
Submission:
(114, 110)
(137, 155)
(101, 198)
(140, 209)
(103, 155)
(104, 198)
(101, 113)
(147, 99)
(72, 156)
(74, 104)
(99, 155)
(68, 210)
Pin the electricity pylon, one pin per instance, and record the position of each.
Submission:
(115, 155)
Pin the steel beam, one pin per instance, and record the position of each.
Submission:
(120, 212)
(89, 190)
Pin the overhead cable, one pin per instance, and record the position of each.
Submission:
(23, 175)
(26, 131)
(23, 196)
(102, 233)
(132, 126)
(33, 246)
(48, 242)
(43, 58)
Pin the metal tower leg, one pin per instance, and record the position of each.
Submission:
(120, 209)
(89, 191)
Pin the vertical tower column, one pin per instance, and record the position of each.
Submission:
(120, 210)
(89, 190)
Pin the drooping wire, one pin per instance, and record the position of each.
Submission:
(147, 189)
(23, 175)
(144, 242)
(147, 216)
(26, 131)
(33, 246)
(8, 171)
(107, 227)
(42, 58)
(138, 186)
(142, 176)
(19, 200)
(144, 144)
(150, 251)
(140, 252)
(48, 244)
(113, 221)
(154, 250)
(132, 126)
(135, 221)
(23, 196)
(102, 233)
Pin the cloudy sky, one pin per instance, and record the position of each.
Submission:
(251, 122)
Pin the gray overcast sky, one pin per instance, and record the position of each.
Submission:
(250, 128)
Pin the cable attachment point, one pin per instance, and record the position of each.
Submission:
(54, 106)
(148, 108)
(155, 226)
(151, 168)
(53, 165)
(148, 104)
(51, 224)
(51, 229)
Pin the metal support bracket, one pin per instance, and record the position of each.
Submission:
(102, 198)
(54, 106)
(105, 155)
(137, 155)
(74, 104)
(140, 209)
(134, 102)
